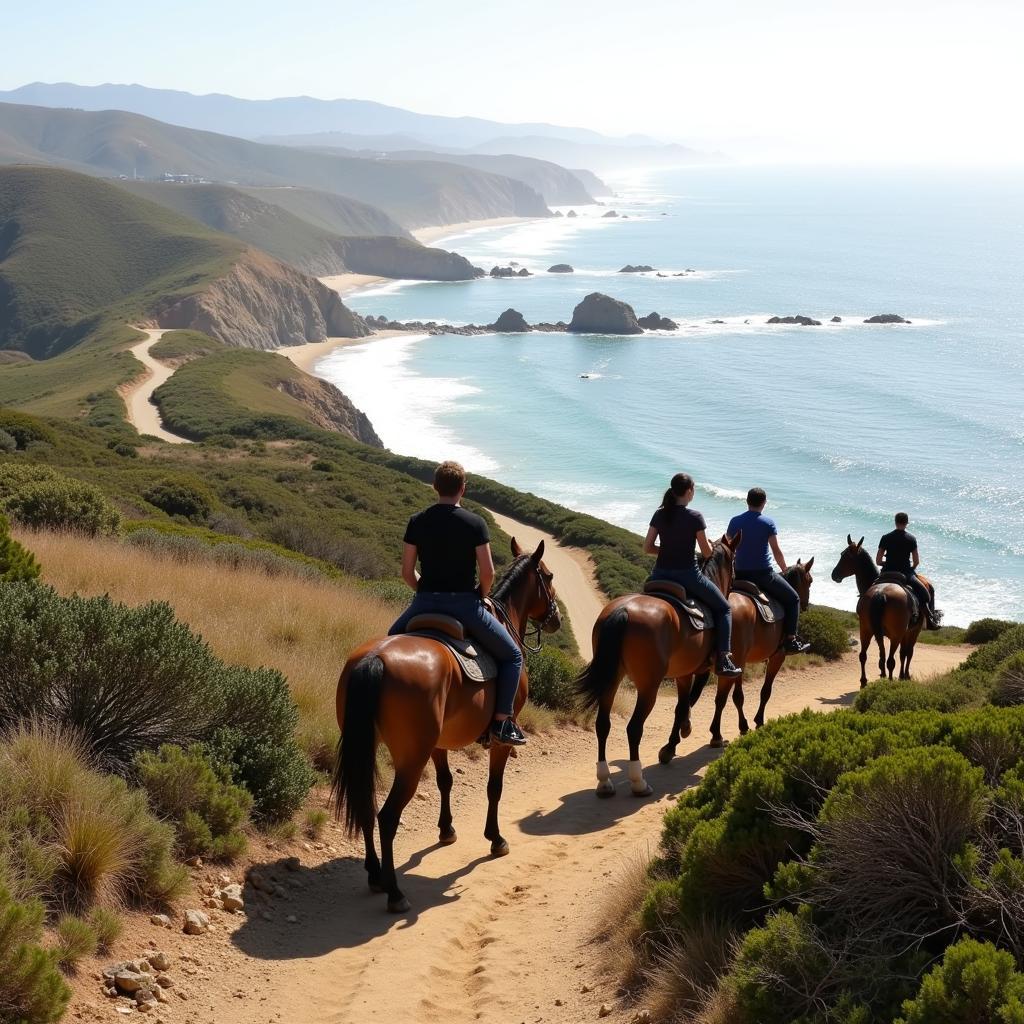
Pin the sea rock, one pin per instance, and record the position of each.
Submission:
(803, 321)
(558, 213)
(524, 272)
(610, 213)
(572, 213)
(509, 272)
(886, 318)
(640, 268)
(601, 314)
(837, 320)
(560, 268)
(196, 922)
(511, 322)
(657, 322)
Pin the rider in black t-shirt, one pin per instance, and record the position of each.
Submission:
(452, 544)
(897, 552)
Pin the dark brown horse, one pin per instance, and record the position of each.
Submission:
(409, 693)
(753, 641)
(884, 610)
(643, 637)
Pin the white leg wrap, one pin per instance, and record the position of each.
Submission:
(636, 779)
(604, 782)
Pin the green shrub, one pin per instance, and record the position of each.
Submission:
(988, 657)
(107, 925)
(63, 503)
(951, 691)
(551, 675)
(76, 939)
(1008, 688)
(32, 990)
(25, 428)
(8, 444)
(975, 984)
(181, 496)
(826, 634)
(981, 631)
(16, 563)
(315, 822)
(210, 812)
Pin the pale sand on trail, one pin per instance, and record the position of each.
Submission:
(142, 413)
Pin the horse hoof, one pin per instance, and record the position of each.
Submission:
(499, 848)
(646, 791)
(447, 838)
(400, 906)
(685, 730)
(605, 789)
(744, 729)
(666, 754)
(377, 887)
(717, 742)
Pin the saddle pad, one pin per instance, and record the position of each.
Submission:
(698, 615)
(768, 608)
(478, 666)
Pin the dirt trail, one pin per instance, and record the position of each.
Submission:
(137, 395)
(492, 940)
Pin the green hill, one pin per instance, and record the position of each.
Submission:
(112, 143)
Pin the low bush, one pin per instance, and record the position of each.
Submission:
(8, 443)
(25, 428)
(315, 822)
(209, 812)
(182, 495)
(32, 990)
(350, 554)
(16, 563)
(62, 503)
(107, 925)
(1008, 688)
(825, 632)
(552, 673)
(76, 939)
(981, 631)
(988, 657)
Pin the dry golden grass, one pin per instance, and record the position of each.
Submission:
(303, 628)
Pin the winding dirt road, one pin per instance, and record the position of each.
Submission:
(137, 395)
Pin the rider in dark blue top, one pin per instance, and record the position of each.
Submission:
(754, 563)
(897, 552)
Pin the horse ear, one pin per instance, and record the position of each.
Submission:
(810, 562)
(860, 542)
(538, 554)
(849, 540)
(517, 550)
(733, 542)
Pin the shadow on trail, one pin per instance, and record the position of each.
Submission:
(583, 812)
(334, 908)
(843, 700)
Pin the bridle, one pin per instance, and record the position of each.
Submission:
(534, 627)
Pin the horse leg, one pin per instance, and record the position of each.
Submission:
(737, 699)
(646, 695)
(407, 777)
(495, 783)
(865, 645)
(446, 834)
(771, 670)
(371, 862)
(881, 658)
(602, 726)
(890, 663)
(681, 727)
(721, 696)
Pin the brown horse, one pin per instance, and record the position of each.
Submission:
(753, 641)
(643, 637)
(409, 693)
(884, 610)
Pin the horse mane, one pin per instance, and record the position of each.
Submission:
(716, 558)
(865, 556)
(512, 575)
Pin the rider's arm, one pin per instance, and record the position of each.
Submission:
(485, 567)
(702, 543)
(409, 565)
(773, 543)
(650, 548)
(880, 557)
(915, 558)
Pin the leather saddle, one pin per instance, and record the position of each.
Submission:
(478, 666)
(901, 580)
(768, 608)
(698, 615)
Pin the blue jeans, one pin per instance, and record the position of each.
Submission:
(775, 585)
(700, 587)
(924, 595)
(482, 626)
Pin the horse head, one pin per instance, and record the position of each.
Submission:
(800, 579)
(847, 564)
(718, 567)
(541, 603)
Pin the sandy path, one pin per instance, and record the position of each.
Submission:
(137, 395)
(574, 577)
(491, 940)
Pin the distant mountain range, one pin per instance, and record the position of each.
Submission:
(362, 124)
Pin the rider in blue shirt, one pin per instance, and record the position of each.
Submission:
(754, 563)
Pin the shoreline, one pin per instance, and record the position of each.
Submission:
(305, 357)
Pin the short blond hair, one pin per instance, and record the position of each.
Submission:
(449, 478)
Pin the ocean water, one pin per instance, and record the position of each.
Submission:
(843, 424)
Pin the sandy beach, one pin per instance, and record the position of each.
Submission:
(306, 356)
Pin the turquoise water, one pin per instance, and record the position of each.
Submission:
(843, 424)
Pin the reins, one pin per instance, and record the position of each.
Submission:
(533, 626)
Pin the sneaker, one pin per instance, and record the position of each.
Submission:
(725, 667)
(796, 645)
(506, 731)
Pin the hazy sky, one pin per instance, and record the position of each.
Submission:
(902, 79)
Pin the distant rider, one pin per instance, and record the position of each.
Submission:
(452, 545)
(897, 552)
(754, 564)
(679, 531)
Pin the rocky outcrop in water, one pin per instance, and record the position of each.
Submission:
(511, 322)
(510, 272)
(560, 268)
(601, 314)
(572, 213)
(886, 318)
(802, 321)
(836, 320)
(640, 268)
(610, 213)
(657, 322)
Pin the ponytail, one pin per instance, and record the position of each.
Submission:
(678, 486)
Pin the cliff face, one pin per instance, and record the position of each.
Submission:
(401, 258)
(264, 304)
(330, 409)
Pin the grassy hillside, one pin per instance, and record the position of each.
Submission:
(75, 251)
(325, 210)
(113, 143)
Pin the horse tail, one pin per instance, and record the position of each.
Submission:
(354, 782)
(876, 613)
(601, 675)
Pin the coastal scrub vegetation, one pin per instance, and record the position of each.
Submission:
(860, 866)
